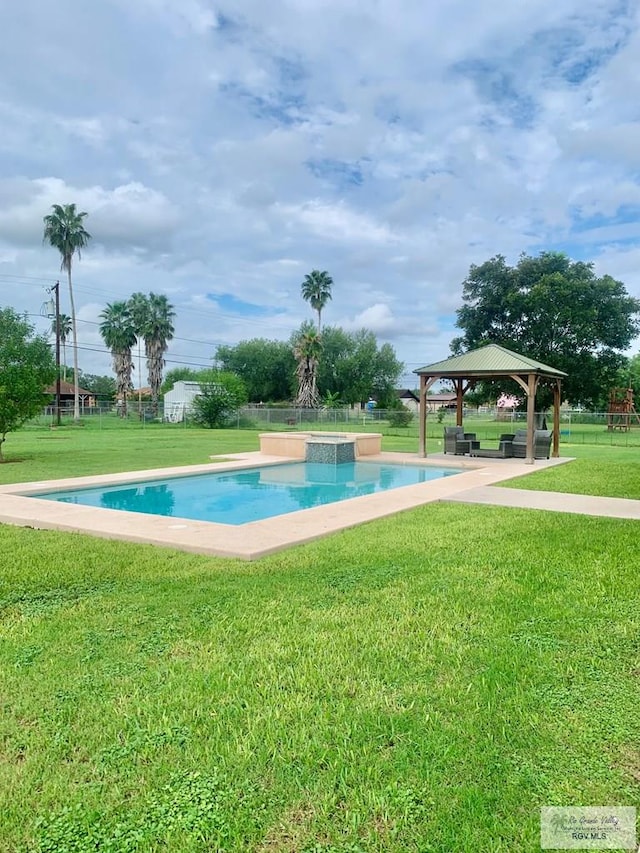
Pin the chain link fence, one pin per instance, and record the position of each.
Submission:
(576, 427)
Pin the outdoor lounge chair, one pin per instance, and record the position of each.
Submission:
(457, 441)
(451, 434)
(541, 444)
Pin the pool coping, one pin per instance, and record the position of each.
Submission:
(257, 538)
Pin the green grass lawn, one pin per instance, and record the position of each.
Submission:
(41, 454)
(612, 472)
(425, 682)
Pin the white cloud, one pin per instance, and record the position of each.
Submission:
(181, 16)
(378, 318)
(128, 215)
(230, 148)
(335, 222)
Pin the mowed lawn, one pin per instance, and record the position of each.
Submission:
(421, 683)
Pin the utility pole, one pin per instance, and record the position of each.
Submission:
(56, 307)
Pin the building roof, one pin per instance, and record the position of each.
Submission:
(403, 393)
(489, 360)
(441, 398)
(67, 389)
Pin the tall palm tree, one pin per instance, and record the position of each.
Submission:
(316, 290)
(118, 332)
(63, 331)
(307, 350)
(64, 230)
(139, 308)
(156, 327)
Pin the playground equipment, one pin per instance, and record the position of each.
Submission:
(621, 412)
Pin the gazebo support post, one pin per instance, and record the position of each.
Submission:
(557, 399)
(459, 393)
(531, 411)
(425, 383)
(422, 413)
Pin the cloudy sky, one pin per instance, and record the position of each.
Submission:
(225, 148)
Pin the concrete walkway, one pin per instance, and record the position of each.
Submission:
(551, 501)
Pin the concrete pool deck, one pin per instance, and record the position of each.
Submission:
(260, 538)
(254, 539)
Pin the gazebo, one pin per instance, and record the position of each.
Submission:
(492, 362)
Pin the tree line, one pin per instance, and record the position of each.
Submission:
(548, 307)
(352, 368)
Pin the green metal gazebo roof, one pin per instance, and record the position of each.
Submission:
(489, 360)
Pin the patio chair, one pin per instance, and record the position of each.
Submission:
(519, 444)
(457, 441)
(451, 434)
(541, 444)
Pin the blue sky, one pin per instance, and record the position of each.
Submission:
(225, 149)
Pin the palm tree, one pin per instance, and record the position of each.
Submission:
(64, 230)
(316, 290)
(153, 322)
(307, 350)
(139, 308)
(63, 331)
(118, 332)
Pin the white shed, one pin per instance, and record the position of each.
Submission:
(179, 401)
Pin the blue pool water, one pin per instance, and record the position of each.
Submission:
(251, 494)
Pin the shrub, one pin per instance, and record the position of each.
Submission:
(219, 400)
(400, 417)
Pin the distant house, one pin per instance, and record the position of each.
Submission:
(67, 396)
(409, 399)
(435, 402)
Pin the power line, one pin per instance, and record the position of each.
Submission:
(28, 278)
(184, 309)
(194, 362)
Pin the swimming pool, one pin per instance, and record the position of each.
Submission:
(250, 494)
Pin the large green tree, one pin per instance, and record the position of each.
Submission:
(177, 374)
(64, 230)
(153, 317)
(267, 367)
(27, 366)
(118, 332)
(555, 310)
(104, 388)
(631, 375)
(354, 366)
(316, 290)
